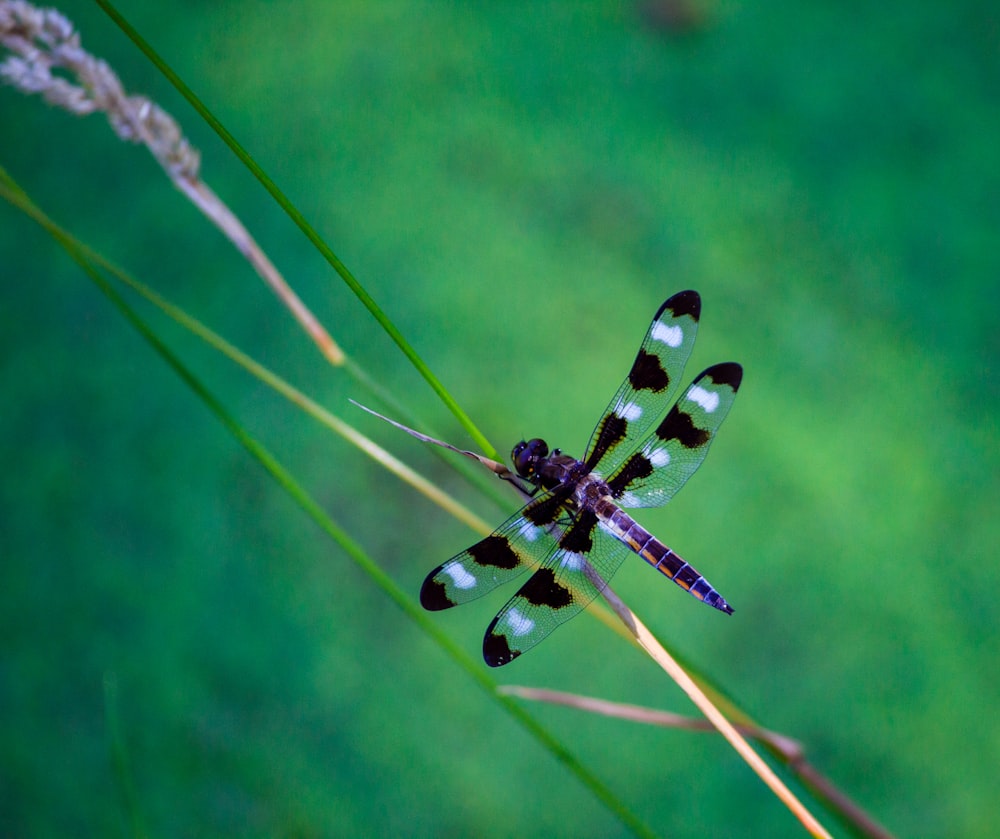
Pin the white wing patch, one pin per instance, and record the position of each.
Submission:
(519, 624)
(629, 411)
(628, 499)
(459, 576)
(672, 336)
(656, 457)
(528, 530)
(709, 401)
(572, 561)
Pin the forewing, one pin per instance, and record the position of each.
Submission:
(520, 542)
(574, 575)
(674, 451)
(650, 384)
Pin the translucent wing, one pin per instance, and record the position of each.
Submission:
(520, 542)
(674, 451)
(559, 531)
(652, 381)
(570, 578)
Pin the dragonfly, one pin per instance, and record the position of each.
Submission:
(574, 531)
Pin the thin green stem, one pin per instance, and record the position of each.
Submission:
(366, 299)
(119, 759)
(10, 190)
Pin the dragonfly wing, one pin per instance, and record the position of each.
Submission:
(578, 570)
(523, 541)
(650, 384)
(661, 465)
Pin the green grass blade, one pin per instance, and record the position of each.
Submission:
(353, 549)
(120, 761)
(310, 232)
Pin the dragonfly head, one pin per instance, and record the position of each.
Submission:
(528, 456)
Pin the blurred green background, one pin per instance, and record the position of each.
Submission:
(519, 187)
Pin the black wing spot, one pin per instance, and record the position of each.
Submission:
(728, 373)
(636, 468)
(547, 510)
(494, 551)
(543, 590)
(647, 373)
(613, 430)
(433, 596)
(678, 425)
(681, 304)
(497, 651)
(580, 537)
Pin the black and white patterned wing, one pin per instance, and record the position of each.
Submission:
(652, 381)
(674, 451)
(523, 541)
(586, 558)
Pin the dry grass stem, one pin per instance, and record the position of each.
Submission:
(655, 650)
(46, 58)
(790, 750)
(494, 466)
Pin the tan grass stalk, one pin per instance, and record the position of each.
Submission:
(655, 650)
(47, 59)
(638, 633)
(790, 751)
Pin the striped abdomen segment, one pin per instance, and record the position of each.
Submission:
(651, 549)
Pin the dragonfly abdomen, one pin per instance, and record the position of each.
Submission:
(662, 558)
